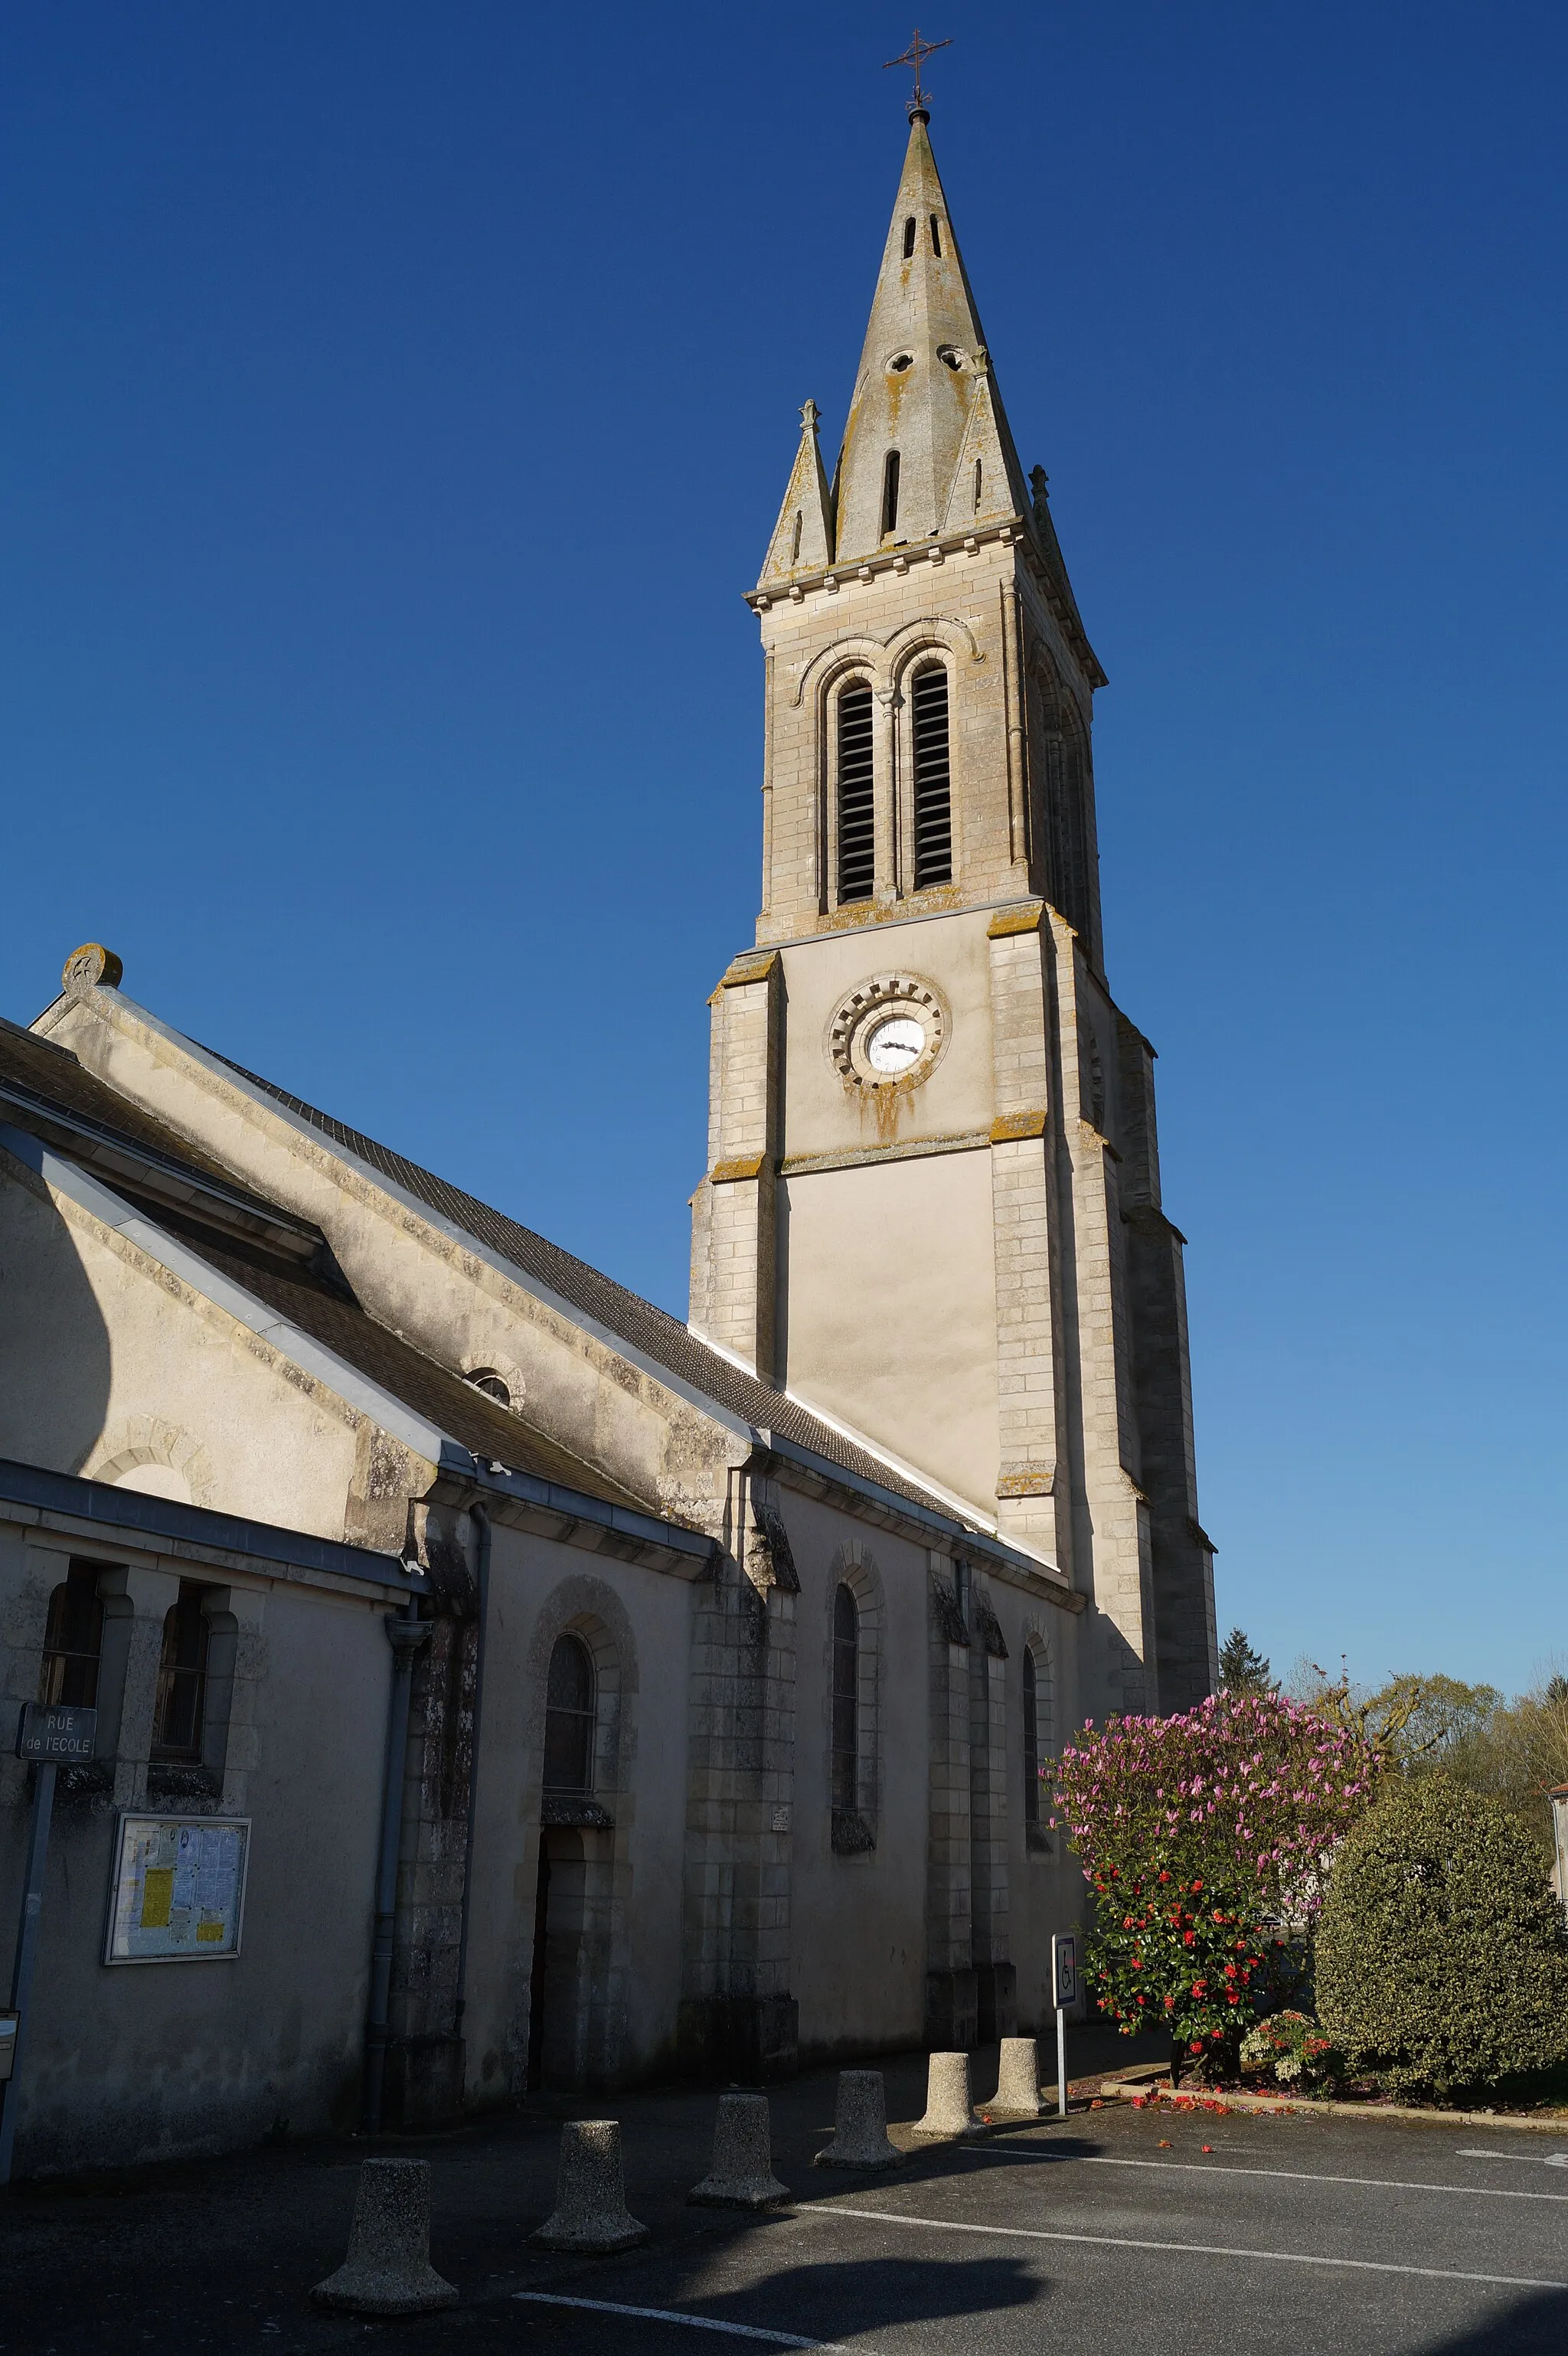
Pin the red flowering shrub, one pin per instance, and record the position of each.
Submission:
(1203, 1838)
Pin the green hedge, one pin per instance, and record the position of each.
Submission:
(1442, 1961)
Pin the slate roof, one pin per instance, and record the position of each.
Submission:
(40, 1082)
(334, 1319)
(647, 1329)
(37, 1076)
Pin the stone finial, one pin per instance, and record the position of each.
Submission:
(591, 2213)
(949, 2111)
(859, 2124)
(88, 966)
(388, 2269)
(1017, 2080)
(1038, 482)
(741, 2175)
(810, 416)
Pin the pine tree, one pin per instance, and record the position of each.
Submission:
(1241, 1669)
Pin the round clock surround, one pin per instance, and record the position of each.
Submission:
(889, 1032)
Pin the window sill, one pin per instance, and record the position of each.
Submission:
(176, 1779)
(573, 1808)
(1038, 1841)
(852, 1835)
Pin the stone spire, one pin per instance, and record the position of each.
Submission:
(926, 408)
(802, 536)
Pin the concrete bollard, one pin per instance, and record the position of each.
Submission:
(1017, 2080)
(860, 2125)
(388, 2269)
(589, 2212)
(948, 2110)
(741, 2175)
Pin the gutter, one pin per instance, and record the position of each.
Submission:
(774, 1452)
(34, 1486)
(637, 1531)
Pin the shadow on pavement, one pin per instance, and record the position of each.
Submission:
(861, 2295)
(1528, 2327)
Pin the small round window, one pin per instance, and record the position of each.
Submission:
(899, 361)
(949, 358)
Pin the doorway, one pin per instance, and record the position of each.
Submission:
(558, 1986)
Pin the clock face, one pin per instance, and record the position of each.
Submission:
(895, 1044)
(888, 1036)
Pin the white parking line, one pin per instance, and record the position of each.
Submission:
(696, 2322)
(1045, 2158)
(1186, 2249)
(1314, 2176)
(1532, 2158)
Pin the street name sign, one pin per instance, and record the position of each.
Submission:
(56, 1733)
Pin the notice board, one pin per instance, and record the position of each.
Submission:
(178, 1890)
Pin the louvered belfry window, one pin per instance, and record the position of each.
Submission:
(932, 785)
(857, 808)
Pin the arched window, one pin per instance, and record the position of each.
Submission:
(979, 479)
(569, 1718)
(493, 1386)
(936, 236)
(794, 540)
(932, 789)
(846, 1700)
(1037, 1734)
(890, 493)
(856, 806)
(909, 237)
(180, 1719)
(73, 1639)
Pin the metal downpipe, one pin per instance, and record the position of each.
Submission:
(405, 1632)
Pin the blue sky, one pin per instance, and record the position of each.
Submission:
(396, 399)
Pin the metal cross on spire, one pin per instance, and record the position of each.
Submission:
(915, 56)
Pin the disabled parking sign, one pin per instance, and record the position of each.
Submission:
(1064, 1972)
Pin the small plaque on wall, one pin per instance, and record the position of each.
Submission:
(179, 1892)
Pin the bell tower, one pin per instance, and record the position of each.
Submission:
(932, 1208)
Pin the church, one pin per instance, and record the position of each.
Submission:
(494, 1682)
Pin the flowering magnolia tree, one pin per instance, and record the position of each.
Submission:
(1204, 1838)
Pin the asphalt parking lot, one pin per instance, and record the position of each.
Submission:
(1112, 2231)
